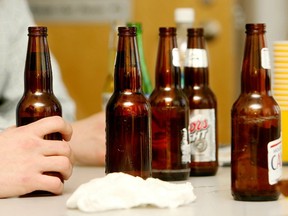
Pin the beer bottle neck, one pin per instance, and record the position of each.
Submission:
(168, 60)
(38, 72)
(127, 68)
(196, 62)
(256, 64)
(146, 82)
(196, 77)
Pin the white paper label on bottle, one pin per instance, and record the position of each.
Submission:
(202, 135)
(185, 147)
(196, 58)
(175, 57)
(265, 58)
(274, 160)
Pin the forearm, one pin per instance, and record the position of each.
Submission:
(88, 140)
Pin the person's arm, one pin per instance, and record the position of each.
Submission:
(88, 140)
(25, 156)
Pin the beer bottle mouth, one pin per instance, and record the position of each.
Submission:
(195, 32)
(127, 31)
(164, 31)
(37, 31)
(255, 27)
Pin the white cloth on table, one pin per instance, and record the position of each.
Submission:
(123, 191)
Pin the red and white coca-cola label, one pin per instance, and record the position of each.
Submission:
(274, 149)
(202, 135)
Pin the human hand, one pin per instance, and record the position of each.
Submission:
(25, 156)
(88, 140)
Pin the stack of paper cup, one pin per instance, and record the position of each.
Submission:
(280, 88)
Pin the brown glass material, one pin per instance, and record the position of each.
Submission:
(128, 113)
(255, 123)
(170, 112)
(38, 100)
(202, 125)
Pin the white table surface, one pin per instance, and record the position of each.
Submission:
(213, 198)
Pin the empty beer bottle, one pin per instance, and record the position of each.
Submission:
(170, 111)
(128, 113)
(202, 128)
(38, 100)
(256, 135)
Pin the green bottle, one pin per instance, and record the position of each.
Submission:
(146, 81)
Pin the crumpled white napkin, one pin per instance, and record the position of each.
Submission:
(123, 191)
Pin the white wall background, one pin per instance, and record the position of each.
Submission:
(272, 12)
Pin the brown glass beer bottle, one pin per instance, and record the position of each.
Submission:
(128, 113)
(202, 127)
(256, 134)
(170, 112)
(38, 100)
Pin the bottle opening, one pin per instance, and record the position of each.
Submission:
(167, 31)
(195, 31)
(37, 31)
(255, 27)
(127, 31)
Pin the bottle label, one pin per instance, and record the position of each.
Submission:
(196, 58)
(265, 59)
(175, 57)
(185, 147)
(274, 160)
(202, 135)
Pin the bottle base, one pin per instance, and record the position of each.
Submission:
(171, 175)
(40, 193)
(203, 172)
(249, 197)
